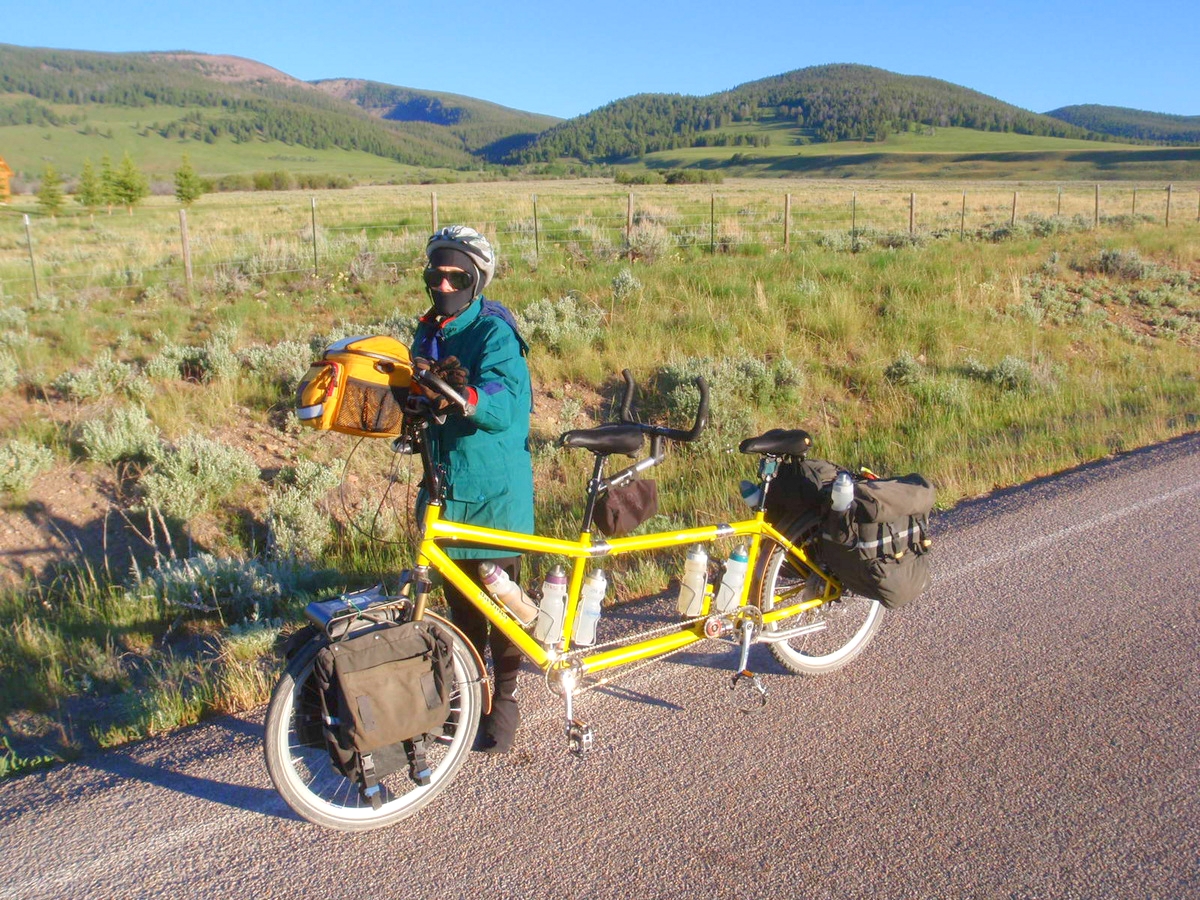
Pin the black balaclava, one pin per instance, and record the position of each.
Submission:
(451, 303)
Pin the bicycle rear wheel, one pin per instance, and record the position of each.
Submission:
(843, 627)
(301, 770)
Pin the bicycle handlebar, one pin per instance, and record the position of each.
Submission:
(427, 379)
(659, 431)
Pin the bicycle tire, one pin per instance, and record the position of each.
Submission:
(848, 623)
(299, 764)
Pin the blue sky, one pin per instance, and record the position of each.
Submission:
(565, 59)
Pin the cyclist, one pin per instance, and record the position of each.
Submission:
(472, 343)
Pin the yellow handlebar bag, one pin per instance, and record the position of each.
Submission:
(358, 386)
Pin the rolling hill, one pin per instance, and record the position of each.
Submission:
(234, 116)
(820, 104)
(80, 103)
(1132, 124)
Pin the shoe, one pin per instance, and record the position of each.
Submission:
(498, 729)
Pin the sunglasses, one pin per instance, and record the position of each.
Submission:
(458, 280)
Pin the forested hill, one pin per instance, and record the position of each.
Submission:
(1135, 124)
(826, 103)
(486, 129)
(209, 97)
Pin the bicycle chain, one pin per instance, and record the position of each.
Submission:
(576, 656)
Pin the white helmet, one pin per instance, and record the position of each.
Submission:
(469, 241)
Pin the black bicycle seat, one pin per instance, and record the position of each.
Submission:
(613, 438)
(778, 442)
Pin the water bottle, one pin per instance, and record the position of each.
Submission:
(554, 600)
(691, 586)
(730, 591)
(589, 609)
(842, 493)
(507, 592)
(752, 493)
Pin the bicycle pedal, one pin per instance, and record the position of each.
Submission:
(580, 738)
(749, 691)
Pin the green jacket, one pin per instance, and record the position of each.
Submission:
(485, 457)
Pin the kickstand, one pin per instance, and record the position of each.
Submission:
(749, 690)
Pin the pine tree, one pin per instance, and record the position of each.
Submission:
(90, 193)
(188, 186)
(50, 192)
(129, 184)
(108, 182)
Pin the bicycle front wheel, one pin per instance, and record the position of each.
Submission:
(301, 770)
(834, 633)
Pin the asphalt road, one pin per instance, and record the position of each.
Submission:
(1029, 728)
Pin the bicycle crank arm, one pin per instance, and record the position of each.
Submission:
(774, 637)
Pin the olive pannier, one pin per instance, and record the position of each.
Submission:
(358, 386)
(878, 547)
(384, 689)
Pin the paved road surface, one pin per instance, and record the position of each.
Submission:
(1028, 729)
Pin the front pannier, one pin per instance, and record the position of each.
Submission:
(358, 386)
(383, 690)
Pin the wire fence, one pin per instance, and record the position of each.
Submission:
(226, 238)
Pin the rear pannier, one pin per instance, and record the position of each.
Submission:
(879, 546)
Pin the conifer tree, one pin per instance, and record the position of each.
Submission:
(90, 193)
(188, 186)
(50, 192)
(108, 182)
(129, 184)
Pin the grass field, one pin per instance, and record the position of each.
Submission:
(28, 148)
(1019, 351)
(942, 153)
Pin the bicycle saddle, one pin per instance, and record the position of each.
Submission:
(778, 442)
(612, 438)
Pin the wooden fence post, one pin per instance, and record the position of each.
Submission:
(787, 221)
(316, 270)
(912, 213)
(1170, 187)
(629, 218)
(1134, 211)
(433, 212)
(32, 265)
(1096, 214)
(1059, 212)
(962, 219)
(1013, 220)
(187, 250)
(537, 246)
(712, 223)
(853, 215)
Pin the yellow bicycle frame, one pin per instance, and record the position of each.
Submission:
(438, 531)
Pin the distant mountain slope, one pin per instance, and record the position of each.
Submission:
(825, 103)
(1137, 124)
(487, 129)
(216, 97)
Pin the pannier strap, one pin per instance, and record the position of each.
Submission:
(778, 442)
(889, 544)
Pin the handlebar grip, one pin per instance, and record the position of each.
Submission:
(427, 379)
(701, 416)
(627, 400)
